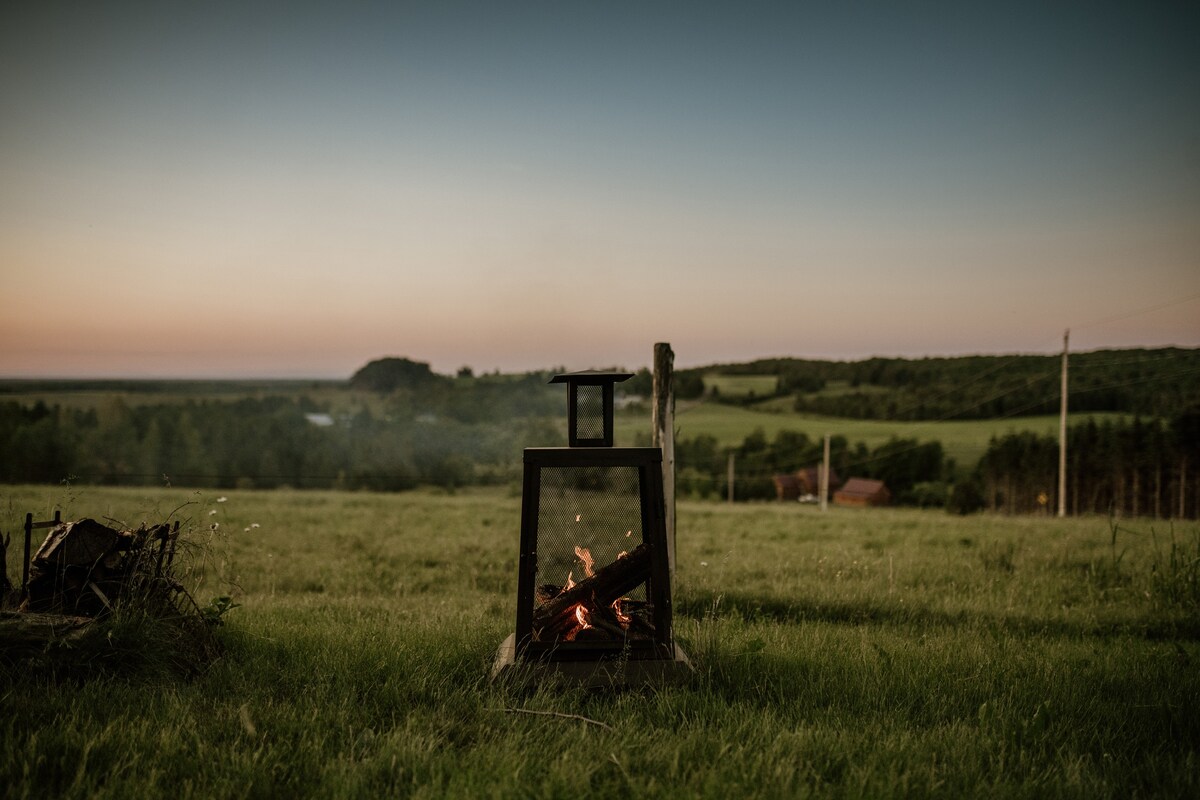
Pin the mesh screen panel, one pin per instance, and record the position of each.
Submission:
(589, 412)
(596, 508)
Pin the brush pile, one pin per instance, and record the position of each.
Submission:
(108, 596)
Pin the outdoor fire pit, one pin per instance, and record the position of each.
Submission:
(594, 584)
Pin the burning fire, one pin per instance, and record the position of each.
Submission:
(591, 606)
(585, 555)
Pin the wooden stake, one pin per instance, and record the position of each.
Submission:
(729, 475)
(664, 436)
(824, 482)
(1062, 434)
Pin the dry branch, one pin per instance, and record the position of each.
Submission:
(588, 720)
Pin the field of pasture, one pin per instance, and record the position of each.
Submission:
(963, 440)
(851, 653)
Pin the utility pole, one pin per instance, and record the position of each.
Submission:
(664, 435)
(824, 482)
(1062, 433)
(729, 475)
(1182, 486)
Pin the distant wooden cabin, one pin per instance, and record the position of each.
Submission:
(794, 485)
(862, 492)
(787, 486)
(810, 480)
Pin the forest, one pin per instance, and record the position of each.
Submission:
(1152, 383)
(442, 431)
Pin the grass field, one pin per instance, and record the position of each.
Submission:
(964, 441)
(846, 654)
(741, 385)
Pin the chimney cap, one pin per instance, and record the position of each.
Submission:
(593, 376)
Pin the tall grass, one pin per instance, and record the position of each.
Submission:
(876, 653)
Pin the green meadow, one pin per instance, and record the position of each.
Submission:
(963, 440)
(869, 653)
(740, 385)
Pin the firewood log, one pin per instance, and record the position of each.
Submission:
(546, 592)
(557, 615)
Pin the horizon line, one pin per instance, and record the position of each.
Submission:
(328, 378)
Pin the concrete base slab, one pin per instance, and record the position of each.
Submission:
(597, 674)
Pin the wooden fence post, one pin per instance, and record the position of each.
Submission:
(664, 435)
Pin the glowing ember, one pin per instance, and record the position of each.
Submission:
(581, 616)
(622, 617)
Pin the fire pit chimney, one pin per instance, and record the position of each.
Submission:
(590, 406)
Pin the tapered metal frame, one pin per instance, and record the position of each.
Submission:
(648, 461)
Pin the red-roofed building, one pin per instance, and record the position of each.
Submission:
(805, 482)
(862, 492)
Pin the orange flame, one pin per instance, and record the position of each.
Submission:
(581, 616)
(570, 582)
(622, 617)
(584, 555)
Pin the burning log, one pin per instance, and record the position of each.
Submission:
(557, 615)
(637, 617)
(605, 619)
(546, 592)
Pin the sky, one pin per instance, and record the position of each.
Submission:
(240, 189)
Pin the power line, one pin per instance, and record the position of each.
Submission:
(1139, 312)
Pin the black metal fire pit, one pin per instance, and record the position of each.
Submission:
(594, 584)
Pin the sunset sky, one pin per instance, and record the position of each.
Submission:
(290, 190)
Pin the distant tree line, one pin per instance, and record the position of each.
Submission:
(1160, 382)
(1136, 468)
(445, 433)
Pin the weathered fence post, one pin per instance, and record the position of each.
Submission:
(729, 475)
(663, 413)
